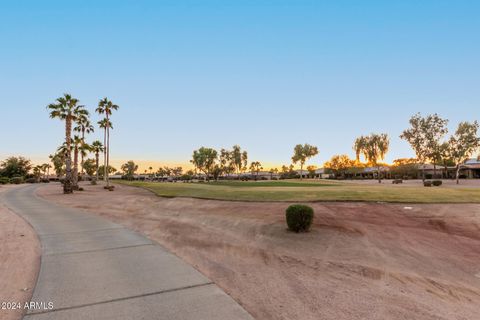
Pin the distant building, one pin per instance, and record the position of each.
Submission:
(471, 169)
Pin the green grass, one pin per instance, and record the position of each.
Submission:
(294, 190)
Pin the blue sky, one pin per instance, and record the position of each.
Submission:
(263, 74)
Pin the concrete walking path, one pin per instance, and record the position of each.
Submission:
(92, 268)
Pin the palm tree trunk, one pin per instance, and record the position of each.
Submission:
(96, 165)
(75, 169)
(379, 177)
(108, 154)
(301, 171)
(83, 142)
(105, 155)
(67, 185)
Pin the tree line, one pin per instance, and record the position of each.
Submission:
(427, 136)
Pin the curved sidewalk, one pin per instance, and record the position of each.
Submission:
(92, 268)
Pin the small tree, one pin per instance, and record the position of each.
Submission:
(46, 170)
(339, 164)
(311, 171)
(90, 167)
(238, 159)
(255, 168)
(110, 170)
(176, 171)
(58, 163)
(15, 166)
(272, 172)
(374, 148)
(301, 153)
(129, 169)
(463, 144)
(37, 173)
(424, 136)
(204, 160)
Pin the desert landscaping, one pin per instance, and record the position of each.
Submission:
(360, 260)
(240, 160)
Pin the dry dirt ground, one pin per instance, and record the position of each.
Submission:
(360, 261)
(19, 261)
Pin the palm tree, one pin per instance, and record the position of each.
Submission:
(255, 167)
(66, 108)
(83, 126)
(97, 147)
(272, 171)
(84, 148)
(46, 170)
(104, 124)
(106, 107)
(37, 172)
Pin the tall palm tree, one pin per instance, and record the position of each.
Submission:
(66, 108)
(97, 147)
(104, 124)
(106, 107)
(83, 126)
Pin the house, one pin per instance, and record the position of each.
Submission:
(470, 169)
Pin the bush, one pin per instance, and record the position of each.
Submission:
(4, 180)
(428, 176)
(299, 217)
(16, 180)
(31, 180)
(437, 183)
(45, 181)
(427, 183)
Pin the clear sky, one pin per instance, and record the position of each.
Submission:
(263, 74)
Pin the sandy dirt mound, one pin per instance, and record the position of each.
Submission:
(19, 261)
(360, 261)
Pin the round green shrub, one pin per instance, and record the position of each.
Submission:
(299, 217)
(437, 183)
(427, 183)
(4, 180)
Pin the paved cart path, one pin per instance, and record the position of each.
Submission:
(92, 268)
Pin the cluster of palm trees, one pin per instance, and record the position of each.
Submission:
(77, 119)
(41, 169)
